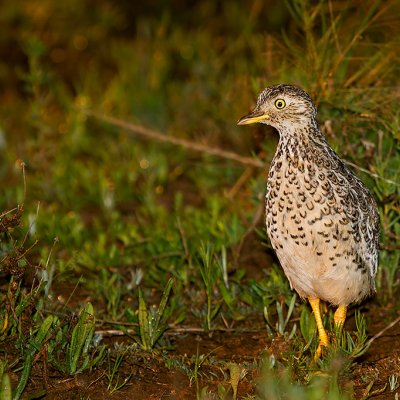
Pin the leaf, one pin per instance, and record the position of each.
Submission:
(5, 388)
(36, 343)
(163, 302)
(235, 372)
(81, 336)
(307, 324)
(34, 346)
(143, 322)
(26, 370)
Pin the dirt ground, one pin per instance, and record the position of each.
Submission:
(245, 344)
(153, 380)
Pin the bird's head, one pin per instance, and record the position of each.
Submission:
(282, 106)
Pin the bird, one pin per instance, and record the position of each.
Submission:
(322, 221)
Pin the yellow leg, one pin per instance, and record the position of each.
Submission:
(323, 337)
(340, 316)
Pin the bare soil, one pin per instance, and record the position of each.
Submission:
(246, 344)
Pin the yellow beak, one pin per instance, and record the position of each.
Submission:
(253, 117)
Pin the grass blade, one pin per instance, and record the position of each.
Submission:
(5, 388)
(144, 322)
(82, 332)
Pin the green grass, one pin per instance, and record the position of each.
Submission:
(114, 231)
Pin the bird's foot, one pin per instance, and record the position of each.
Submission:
(322, 346)
(340, 316)
(323, 336)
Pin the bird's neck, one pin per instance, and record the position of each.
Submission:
(300, 132)
(299, 140)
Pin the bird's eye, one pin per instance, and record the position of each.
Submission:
(279, 104)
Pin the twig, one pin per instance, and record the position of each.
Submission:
(388, 247)
(381, 332)
(101, 322)
(256, 220)
(173, 330)
(22, 255)
(34, 221)
(156, 135)
(72, 293)
(9, 212)
(23, 165)
(376, 176)
(240, 182)
(114, 332)
(141, 130)
(96, 380)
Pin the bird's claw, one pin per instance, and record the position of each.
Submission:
(320, 350)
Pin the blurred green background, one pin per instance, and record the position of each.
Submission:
(189, 69)
(113, 210)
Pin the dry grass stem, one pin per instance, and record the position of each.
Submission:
(156, 135)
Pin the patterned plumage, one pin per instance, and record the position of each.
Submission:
(322, 221)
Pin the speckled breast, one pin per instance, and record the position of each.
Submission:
(317, 221)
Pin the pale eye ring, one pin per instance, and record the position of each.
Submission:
(280, 103)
